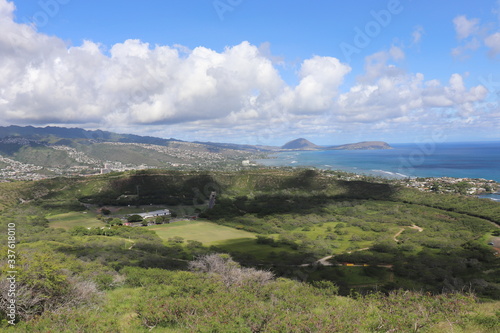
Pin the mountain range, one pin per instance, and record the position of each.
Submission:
(34, 152)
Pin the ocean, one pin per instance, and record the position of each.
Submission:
(459, 160)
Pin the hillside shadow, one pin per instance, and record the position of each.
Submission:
(306, 198)
(143, 188)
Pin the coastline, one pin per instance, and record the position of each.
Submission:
(457, 160)
(453, 168)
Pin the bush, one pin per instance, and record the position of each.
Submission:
(42, 284)
(228, 270)
(265, 240)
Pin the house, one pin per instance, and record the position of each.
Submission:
(161, 212)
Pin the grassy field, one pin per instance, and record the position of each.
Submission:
(74, 219)
(206, 232)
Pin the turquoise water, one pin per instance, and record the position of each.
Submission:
(459, 160)
(492, 196)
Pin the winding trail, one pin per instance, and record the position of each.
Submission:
(325, 261)
(397, 234)
(413, 226)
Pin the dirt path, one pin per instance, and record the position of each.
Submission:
(363, 249)
(413, 226)
(397, 234)
(131, 241)
(324, 261)
(496, 244)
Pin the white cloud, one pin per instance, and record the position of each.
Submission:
(7, 9)
(493, 42)
(473, 44)
(473, 35)
(388, 94)
(417, 34)
(320, 80)
(465, 27)
(236, 92)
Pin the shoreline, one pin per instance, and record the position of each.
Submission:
(402, 162)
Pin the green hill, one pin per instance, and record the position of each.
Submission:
(306, 250)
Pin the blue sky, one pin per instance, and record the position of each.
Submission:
(255, 71)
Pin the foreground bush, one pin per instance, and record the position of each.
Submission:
(43, 284)
(229, 271)
(157, 300)
(221, 296)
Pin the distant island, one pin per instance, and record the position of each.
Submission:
(366, 145)
(304, 144)
(301, 144)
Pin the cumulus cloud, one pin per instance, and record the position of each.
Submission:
(387, 93)
(320, 80)
(465, 27)
(237, 92)
(493, 42)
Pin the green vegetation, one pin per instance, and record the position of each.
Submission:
(311, 253)
(74, 219)
(204, 232)
(248, 301)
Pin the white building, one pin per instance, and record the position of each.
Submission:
(161, 212)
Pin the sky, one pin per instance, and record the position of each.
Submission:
(255, 71)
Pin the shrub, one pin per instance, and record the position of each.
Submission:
(228, 270)
(44, 285)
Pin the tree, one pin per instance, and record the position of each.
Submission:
(115, 221)
(134, 218)
(176, 240)
(162, 219)
(79, 231)
(265, 240)
(192, 244)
